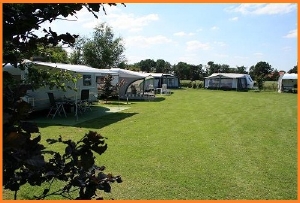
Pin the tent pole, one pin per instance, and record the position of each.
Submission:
(144, 86)
(118, 91)
(76, 104)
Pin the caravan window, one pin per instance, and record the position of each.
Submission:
(87, 80)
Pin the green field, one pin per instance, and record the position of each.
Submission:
(197, 144)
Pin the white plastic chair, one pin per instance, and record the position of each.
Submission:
(165, 90)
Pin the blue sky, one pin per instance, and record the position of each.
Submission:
(195, 33)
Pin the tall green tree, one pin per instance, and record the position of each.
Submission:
(160, 66)
(76, 56)
(182, 71)
(260, 72)
(212, 68)
(23, 154)
(147, 65)
(103, 50)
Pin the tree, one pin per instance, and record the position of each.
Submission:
(51, 54)
(107, 87)
(23, 155)
(103, 50)
(76, 56)
(212, 68)
(160, 66)
(241, 69)
(294, 70)
(224, 68)
(147, 65)
(182, 70)
(274, 75)
(259, 72)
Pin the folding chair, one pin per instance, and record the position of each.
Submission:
(84, 102)
(55, 106)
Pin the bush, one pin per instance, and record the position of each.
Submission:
(270, 86)
(191, 84)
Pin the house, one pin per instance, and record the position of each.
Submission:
(229, 81)
(287, 82)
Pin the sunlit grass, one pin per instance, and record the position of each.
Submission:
(199, 144)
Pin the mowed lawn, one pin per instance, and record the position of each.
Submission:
(199, 144)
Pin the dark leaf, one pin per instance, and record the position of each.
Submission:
(36, 161)
(46, 191)
(87, 160)
(119, 179)
(106, 187)
(30, 127)
(51, 141)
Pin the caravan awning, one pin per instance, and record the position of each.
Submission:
(70, 67)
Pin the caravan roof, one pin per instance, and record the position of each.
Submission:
(227, 75)
(290, 76)
(71, 67)
(128, 73)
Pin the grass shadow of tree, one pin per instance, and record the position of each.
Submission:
(104, 121)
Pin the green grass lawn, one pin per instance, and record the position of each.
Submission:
(198, 144)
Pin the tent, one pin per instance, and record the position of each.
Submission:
(287, 82)
(228, 81)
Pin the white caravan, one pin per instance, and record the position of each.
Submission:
(287, 82)
(39, 97)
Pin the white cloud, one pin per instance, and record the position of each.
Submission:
(241, 57)
(286, 48)
(222, 55)
(258, 54)
(291, 34)
(142, 41)
(181, 34)
(121, 21)
(214, 28)
(190, 59)
(131, 22)
(221, 44)
(196, 45)
(234, 19)
(263, 9)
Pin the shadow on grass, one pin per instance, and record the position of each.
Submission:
(123, 102)
(86, 119)
(104, 121)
